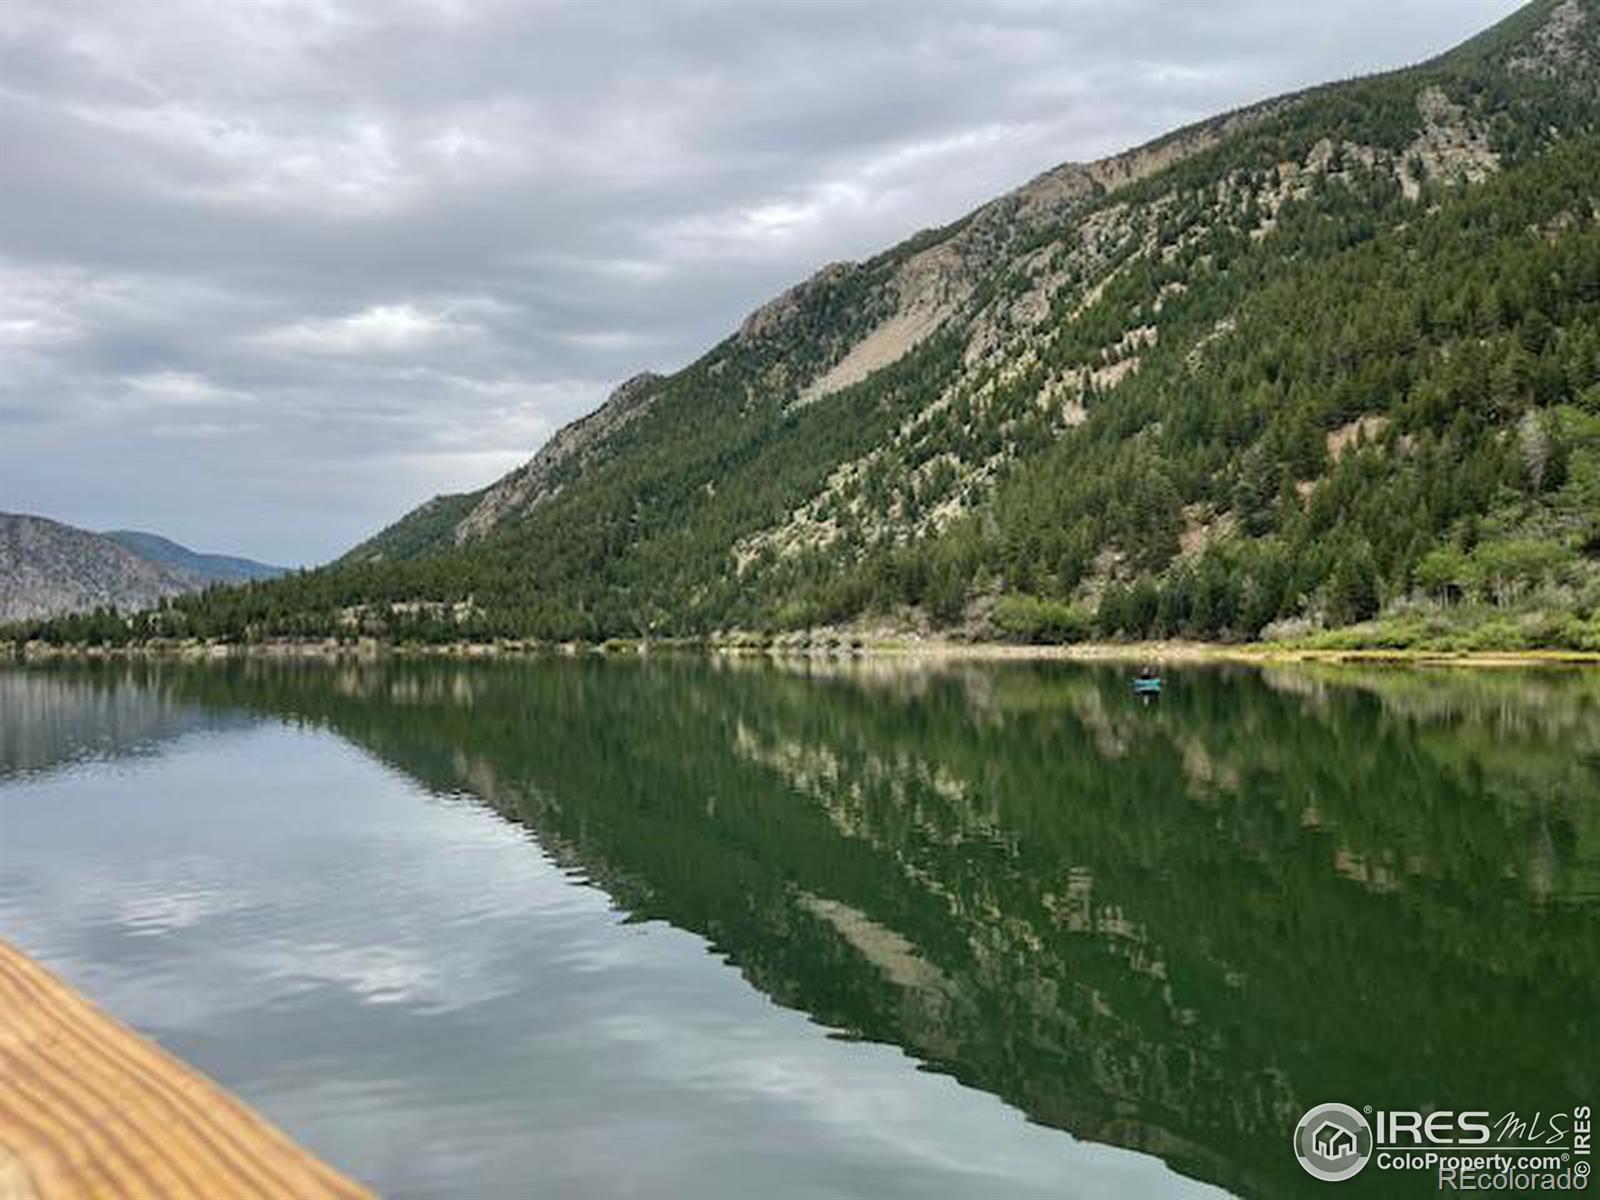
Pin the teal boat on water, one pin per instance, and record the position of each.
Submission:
(1147, 685)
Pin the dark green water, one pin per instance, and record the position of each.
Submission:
(673, 928)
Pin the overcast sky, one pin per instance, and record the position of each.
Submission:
(271, 273)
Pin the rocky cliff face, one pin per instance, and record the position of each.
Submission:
(47, 568)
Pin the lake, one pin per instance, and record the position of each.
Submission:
(675, 927)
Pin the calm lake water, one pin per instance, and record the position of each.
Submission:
(676, 928)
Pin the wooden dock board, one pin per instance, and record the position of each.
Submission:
(88, 1108)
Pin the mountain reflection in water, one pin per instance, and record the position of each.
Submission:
(1170, 928)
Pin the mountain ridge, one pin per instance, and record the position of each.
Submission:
(1064, 185)
(1323, 359)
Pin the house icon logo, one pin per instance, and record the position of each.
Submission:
(1333, 1142)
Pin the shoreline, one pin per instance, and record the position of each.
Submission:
(828, 647)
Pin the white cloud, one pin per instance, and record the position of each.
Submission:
(181, 389)
(36, 308)
(381, 329)
(771, 228)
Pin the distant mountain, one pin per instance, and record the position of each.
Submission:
(47, 568)
(209, 568)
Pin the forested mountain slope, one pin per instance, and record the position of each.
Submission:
(1333, 355)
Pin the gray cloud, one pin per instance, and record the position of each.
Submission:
(271, 273)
